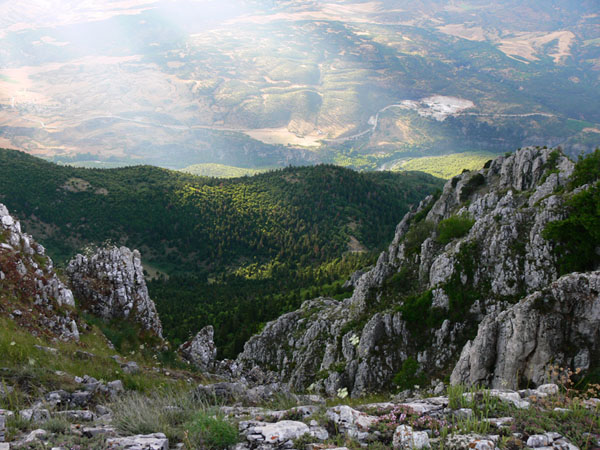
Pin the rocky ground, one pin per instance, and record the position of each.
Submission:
(442, 417)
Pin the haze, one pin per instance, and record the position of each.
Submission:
(261, 84)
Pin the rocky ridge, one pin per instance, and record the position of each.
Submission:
(33, 295)
(110, 283)
(360, 343)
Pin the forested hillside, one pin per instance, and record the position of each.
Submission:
(276, 237)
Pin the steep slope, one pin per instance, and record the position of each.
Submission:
(30, 291)
(473, 251)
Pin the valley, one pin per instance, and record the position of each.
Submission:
(217, 246)
(268, 84)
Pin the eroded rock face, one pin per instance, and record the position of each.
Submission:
(110, 284)
(201, 350)
(26, 271)
(557, 325)
(361, 342)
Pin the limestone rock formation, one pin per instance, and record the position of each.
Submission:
(27, 275)
(559, 325)
(110, 284)
(201, 350)
(361, 342)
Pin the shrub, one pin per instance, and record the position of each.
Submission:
(578, 236)
(471, 186)
(57, 425)
(211, 432)
(454, 227)
(587, 169)
(407, 376)
(166, 412)
(416, 235)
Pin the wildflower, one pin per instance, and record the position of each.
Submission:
(354, 340)
(342, 392)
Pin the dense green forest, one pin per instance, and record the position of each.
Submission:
(218, 247)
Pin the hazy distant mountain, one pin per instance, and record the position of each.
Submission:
(270, 83)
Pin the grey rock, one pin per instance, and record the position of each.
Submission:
(97, 431)
(201, 350)
(35, 415)
(156, 441)
(406, 438)
(524, 339)
(115, 387)
(130, 367)
(538, 440)
(35, 435)
(111, 284)
(79, 415)
(351, 422)
(278, 432)
(34, 271)
(353, 344)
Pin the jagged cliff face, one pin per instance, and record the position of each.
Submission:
(110, 284)
(31, 292)
(428, 292)
(559, 325)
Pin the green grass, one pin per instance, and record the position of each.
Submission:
(177, 414)
(453, 227)
(578, 125)
(30, 369)
(447, 166)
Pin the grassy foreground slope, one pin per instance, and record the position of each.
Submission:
(227, 245)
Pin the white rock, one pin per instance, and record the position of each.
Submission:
(279, 432)
(35, 435)
(406, 438)
(538, 440)
(156, 441)
(548, 389)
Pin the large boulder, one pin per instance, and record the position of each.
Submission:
(201, 350)
(110, 284)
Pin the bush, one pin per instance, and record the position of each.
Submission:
(163, 412)
(577, 237)
(211, 432)
(587, 169)
(416, 235)
(471, 186)
(453, 227)
(407, 377)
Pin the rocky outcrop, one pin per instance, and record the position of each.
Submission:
(110, 284)
(557, 326)
(201, 350)
(37, 298)
(414, 424)
(361, 342)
